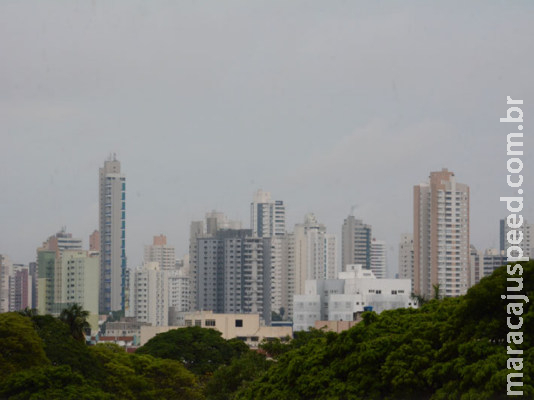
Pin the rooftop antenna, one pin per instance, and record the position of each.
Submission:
(352, 208)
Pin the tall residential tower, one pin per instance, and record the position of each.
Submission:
(441, 236)
(112, 236)
(267, 217)
(356, 238)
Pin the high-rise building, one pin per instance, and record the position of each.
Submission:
(34, 276)
(493, 259)
(233, 269)
(159, 251)
(282, 274)
(5, 273)
(378, 258)
(314, 253)
(527, 243)
(112, 237)
(50, 271)
(179, 294)
(80, 280)
(356, 238)
(46, 265)
(267, 216)
(406, 262)
(441, 236)
(20, 288)
(149, 294)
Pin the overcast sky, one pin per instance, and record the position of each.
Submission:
(326, 104)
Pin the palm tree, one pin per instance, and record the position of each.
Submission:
(436, 291)
(76, 318)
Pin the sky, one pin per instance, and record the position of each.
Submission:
(330, 106)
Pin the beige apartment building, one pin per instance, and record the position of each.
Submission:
(441, 236)
(246, 327)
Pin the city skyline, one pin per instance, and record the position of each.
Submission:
(337, 107)
(392, 265)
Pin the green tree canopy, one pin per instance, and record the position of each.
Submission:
(201, 350)
(20, 346)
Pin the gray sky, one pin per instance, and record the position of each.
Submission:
(324, 104)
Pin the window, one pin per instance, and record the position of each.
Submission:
(210, 322)
(198, 322)
(188, 322)
(239, 323)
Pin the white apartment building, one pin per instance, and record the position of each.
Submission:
(314, 252)
(80, 279)
(378, 258)
(341, 299)
(149, 294)
(179, 291)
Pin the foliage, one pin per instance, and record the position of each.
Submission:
(49, 383)
(228, 379)
(39, 358)
(132, 376)
(201, 350)
(20, 346)
(62, 349)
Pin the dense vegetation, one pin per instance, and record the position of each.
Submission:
(448, 349)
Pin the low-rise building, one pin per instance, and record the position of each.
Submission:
(246, 327)
(344, 298)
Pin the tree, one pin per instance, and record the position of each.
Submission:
(76, 318)
(201, 350)
(229, 378)
(62, 348)
(20, 346)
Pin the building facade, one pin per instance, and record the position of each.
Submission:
(112, 202)
(315, 253)
(234, 273)
(267, 216)
(441, 236)
(159, 251)
(344, 298)
(378, 258)
(527, 244)
(356, 242)
(406, 258)
(149, 294)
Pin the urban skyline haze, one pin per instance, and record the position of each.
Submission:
(327, 106)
